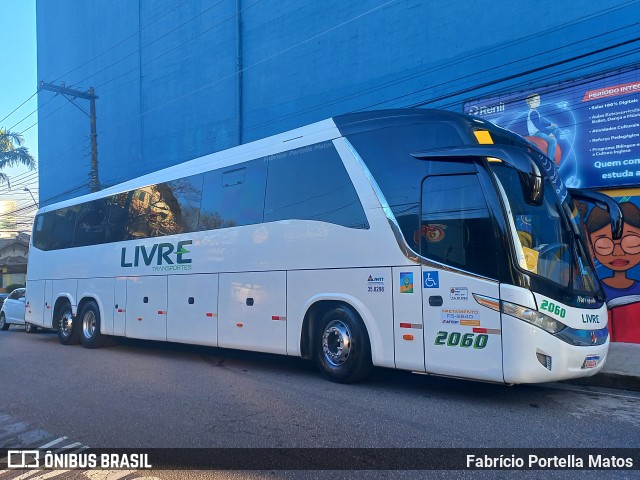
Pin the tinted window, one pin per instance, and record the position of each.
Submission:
(233, 196)
(311, 183)
(91, 225)
(387, 154)
(54, 230)
(167, 208)
(42, 226)
(118, 211)
(183, 197)
(138, 222)
(456, 227)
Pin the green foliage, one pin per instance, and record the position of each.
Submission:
(13, 154)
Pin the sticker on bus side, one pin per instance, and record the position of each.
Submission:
(459, 293)
(456, 316)
(457, 339)
(553, 309)
(375, 284)
(406, 282)
(430, 279)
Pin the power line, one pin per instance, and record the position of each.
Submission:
(94, 58)
(19, 106)
(34, 111)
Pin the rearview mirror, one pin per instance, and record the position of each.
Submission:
(605, 202)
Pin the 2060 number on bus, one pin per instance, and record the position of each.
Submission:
(456, 339)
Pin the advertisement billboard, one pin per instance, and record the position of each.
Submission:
(590, 127)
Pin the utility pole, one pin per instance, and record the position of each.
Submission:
(71, 95)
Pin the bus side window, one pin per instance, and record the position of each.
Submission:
(456, 226)
(183, 197)
(233, 196)
(91, 226)
(43, 230)
(117, 208)
(138, 221)
(311, 183)
(64, 224)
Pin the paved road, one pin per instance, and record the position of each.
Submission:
(146, 394)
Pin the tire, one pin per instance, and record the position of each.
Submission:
(342, 349)
(89, 326)
(68, 331)
(4, 326)
(30, 328)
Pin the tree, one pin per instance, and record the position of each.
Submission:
(13, 154)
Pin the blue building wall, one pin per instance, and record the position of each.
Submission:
(176, 81)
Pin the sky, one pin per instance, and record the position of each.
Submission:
(18, 82)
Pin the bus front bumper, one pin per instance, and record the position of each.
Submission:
(531, 355)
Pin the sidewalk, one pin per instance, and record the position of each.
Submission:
(622, 369)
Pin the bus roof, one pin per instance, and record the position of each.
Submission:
(351, 123)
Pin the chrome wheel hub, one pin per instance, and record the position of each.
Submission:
(66, 324)
(336, 343)
(89, 324)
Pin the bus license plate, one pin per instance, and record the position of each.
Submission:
(591, 361)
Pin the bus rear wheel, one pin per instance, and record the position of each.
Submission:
(342, 349)
(90, 335)
(68, 331)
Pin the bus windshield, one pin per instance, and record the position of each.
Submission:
(545, 236)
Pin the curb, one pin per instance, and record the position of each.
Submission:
(609, 380)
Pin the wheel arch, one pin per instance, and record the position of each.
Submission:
(86, 298)
(319, 305)
(62, 300)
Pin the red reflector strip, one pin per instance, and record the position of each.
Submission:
(491, 331)
(209, 314)
(120, 310)
(239, 325)
(139, 319)
(411, 325)
(161, 312)
(275, 317)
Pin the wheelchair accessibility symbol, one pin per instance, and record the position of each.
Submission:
(430, 279)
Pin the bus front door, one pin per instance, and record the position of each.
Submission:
(462, 336)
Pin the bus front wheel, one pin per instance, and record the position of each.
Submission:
(90, 335)
(342, 348)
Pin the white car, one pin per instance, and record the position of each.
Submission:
(13, 310)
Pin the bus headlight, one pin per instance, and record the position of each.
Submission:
(533, 317)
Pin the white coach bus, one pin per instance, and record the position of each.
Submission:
(421, 240)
